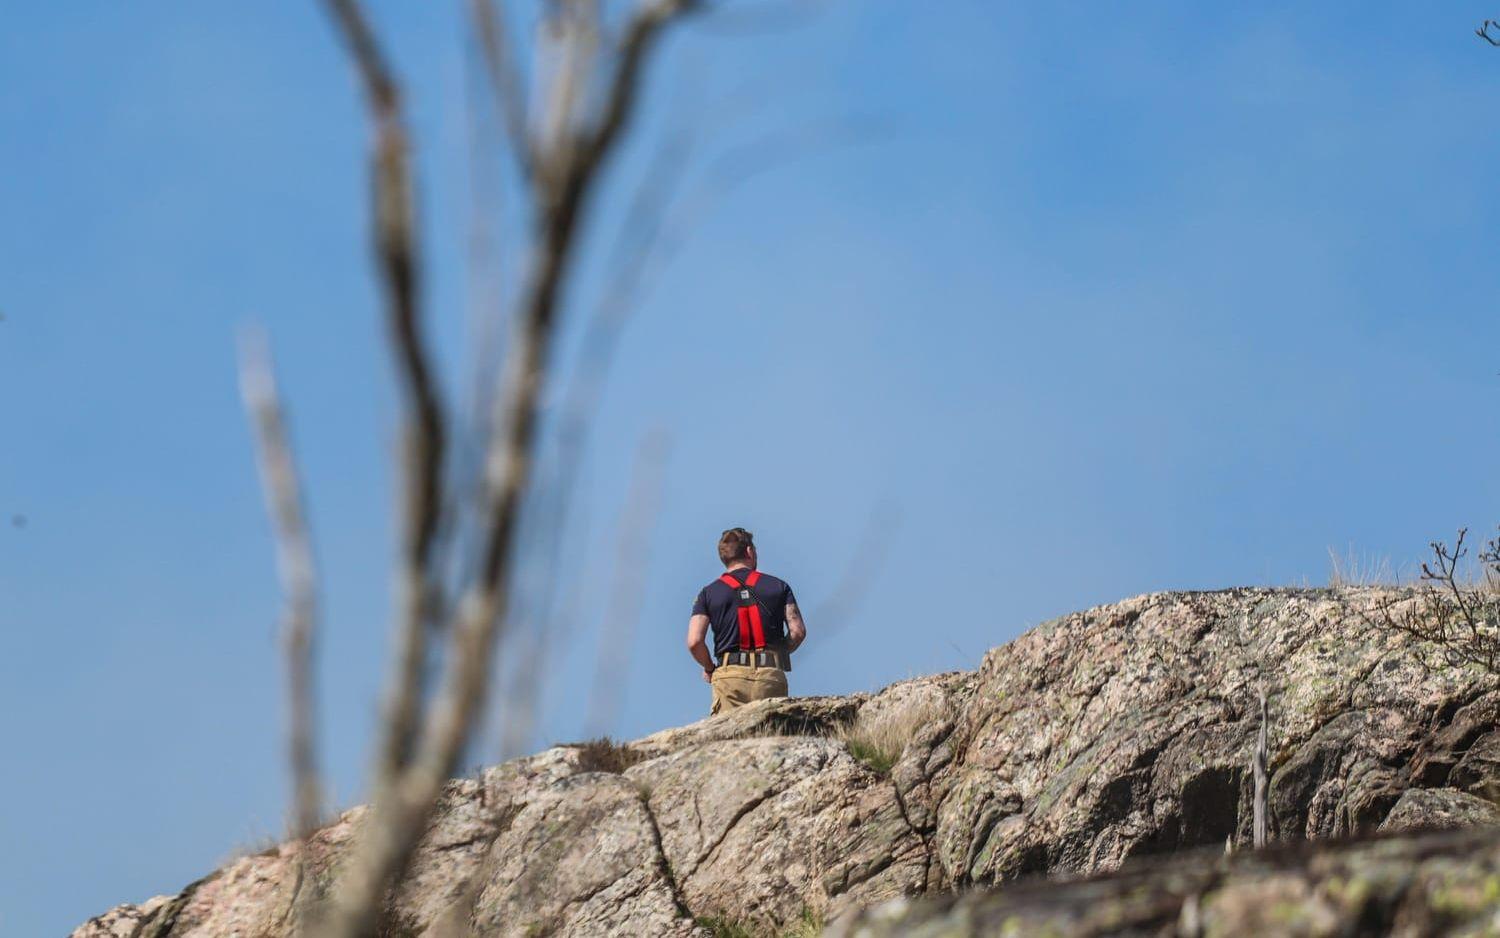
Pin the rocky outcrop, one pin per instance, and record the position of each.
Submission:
(1113, 734)
(1439, 808)
(1414, 885)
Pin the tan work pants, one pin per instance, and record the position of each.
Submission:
(736, 685)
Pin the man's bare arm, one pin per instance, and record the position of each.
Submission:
(697, 647)
(796, 631)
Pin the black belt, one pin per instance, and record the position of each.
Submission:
(752, 659)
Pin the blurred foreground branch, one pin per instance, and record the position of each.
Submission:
(295, 566)
(424, 430)
(592, 98)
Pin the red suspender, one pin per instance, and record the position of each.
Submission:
(757, 630)
(752, 630)
(743, 613)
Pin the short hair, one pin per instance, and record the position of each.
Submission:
(735, 544)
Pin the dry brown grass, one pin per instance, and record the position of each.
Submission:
(606, 755)
(1352, 568)
(878, 739)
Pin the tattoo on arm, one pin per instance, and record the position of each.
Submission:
(796, 629)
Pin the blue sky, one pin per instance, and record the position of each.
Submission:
(1110, 304)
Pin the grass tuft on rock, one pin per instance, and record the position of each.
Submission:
(879, 760)
(809, 925)
(879, 741)
(723, 928)
(606, 755)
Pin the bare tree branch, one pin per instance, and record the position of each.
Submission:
(401, 810)
(1483, 32)
(511, 459)
(296, 568)
(640, 35)
(380, 84)
(554, 499)
(576, 28)
(424, 430)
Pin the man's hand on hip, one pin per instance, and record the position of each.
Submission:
(708, 675)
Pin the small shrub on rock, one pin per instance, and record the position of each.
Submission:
(1455, 618)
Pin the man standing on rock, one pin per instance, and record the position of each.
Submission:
(756, 627)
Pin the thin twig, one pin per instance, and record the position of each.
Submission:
(505, 78)
(1456, 623)
(622, 611)
(296, 568)
(487, 303)
(864, 565)
(657, 224)
(1483, 32)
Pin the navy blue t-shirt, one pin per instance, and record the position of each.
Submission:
(717, 601)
